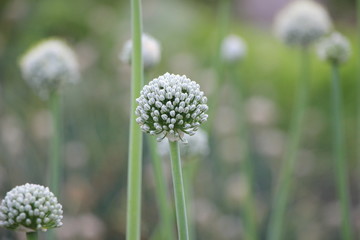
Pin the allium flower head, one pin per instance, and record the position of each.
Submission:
(233, 48)
(151, 51)
(170, 106)
(334, 48)
(302, 22)
(48, 65)
(30, 207)
(197, 146)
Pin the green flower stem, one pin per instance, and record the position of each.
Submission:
(55, 165)
(190, 168)
(250, 213)
(166, 216)
(223, 21)
(32, 236)
(339, 153)
(285, 181)
(358, 82)
(180, 204)
(135, 138)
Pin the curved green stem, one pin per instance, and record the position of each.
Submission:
(249, 209)
(32, 236)
(285, 182)
(339, 154)
(179, 193)
(135, 142)
(166, 217)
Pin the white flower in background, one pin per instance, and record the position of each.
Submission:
(233, 48)
(30, 207)
(170, 106)
(302, 22)
(197, 145)
(334, 48)
(48, 65)
(150, 48)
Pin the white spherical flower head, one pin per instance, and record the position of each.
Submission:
(302, 22)
(197, 146)
(151, 51)
(233, 48)
(48, 65)
(170, 106)
(334, 48)
(30, 207)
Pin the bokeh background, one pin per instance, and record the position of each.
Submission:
(96, 113)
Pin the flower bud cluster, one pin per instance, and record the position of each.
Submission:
(233, 48)
(151, 51)
(302, 22)
(30, 207)
(48, 65)
(334, 48)
(170, 106)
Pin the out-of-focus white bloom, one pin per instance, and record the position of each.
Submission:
(197, 146)
(30, 207)
(170, 106)
(150, 48)
(334, 48)
(48, 65)
(233, 48)
(302, 22)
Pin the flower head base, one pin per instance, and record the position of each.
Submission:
(233, 48)
(302, 22)
(170, 106)
(30, 207)
(151, 51)
(334, 48)
(48, 65)
(197, 146)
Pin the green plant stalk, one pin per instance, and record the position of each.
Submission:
(32, 236)
(250, 213)
(133, 213)
(55, 165)
(223, 22)
(281, 195)
(179, 193)
(190, 168)
(166, 217)
(358, 80)
(339, 154)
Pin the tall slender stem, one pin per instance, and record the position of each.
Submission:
(179, 193)
(339, 154)
(32, 236)
(285, 181)
(55, 165)
(358, 82)
(166, 217)
(135, 138)
(250, 213)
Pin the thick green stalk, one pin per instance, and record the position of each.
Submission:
(358, 81)
(179, 193)
(166, 217)
(250, 213)
(55, 165)
(135, 138)
(339, 155)
(281, 195)
(32, 236)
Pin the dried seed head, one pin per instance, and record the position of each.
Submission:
(233, 48)
(48, 65)
(150, 48)
(170, 106)
(30, 207)
(334, 48)
(302, 22)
